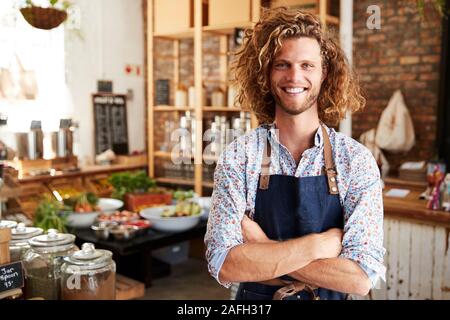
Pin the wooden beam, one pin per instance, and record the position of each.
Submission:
(198, 95)
(150, 124)
(323, 13)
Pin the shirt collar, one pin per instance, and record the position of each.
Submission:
(318, 139)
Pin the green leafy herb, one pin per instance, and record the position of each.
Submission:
(124, 182)
(48, 215)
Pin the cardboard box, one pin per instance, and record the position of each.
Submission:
(312, 6)
(172, 16)
(222, 12)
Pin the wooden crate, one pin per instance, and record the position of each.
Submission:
(138, 201)
(25, 167)
(99, 185)
(127, 289)
(69, 162)
(172, 16)
(223, 12)
(139, 159)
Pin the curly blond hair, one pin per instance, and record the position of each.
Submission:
(253, 61)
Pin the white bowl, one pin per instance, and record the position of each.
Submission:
(81, 219)
(109, 205)
(205, 203)
(170, 224)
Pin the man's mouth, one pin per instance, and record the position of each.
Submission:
(294, 90)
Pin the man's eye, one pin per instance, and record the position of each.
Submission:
(281, 65)
(307, 66)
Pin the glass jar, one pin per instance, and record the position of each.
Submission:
(7, 224)
(88, 274)
(42, 264)
(19, 240)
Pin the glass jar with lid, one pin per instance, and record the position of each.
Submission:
(88, 274)
(19, 240)
(42, 264)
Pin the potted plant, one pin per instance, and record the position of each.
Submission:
(47, 17)
(138, 190)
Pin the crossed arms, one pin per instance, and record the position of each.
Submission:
(312, 259)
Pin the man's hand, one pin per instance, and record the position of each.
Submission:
(252, 232)
(329, 244)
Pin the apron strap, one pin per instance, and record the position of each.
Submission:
(265, 167)
(330, 169)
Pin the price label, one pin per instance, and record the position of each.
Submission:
(11, 276)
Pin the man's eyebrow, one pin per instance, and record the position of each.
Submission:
(301, 61)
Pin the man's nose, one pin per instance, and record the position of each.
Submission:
(295, 74)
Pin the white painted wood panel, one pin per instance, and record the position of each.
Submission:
(392, 272)
(446, 277)
(416, 240)
(426, 262)
(438, 262)
(404, 259)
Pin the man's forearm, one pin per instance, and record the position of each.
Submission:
(263, 261)
(338, 274)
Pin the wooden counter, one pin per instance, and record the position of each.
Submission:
(413, 208)
(86, 171)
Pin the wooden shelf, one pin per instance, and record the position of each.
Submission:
(177, 181)
(208, 184)
(165, 155)
(221, 109)
(210, 158)
(198, 34)
(176, 35)
(227, 28)
(171, 108)
(332, 20)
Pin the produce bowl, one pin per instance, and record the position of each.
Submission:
(205, 203)
(169, 224)
(109, 205)
(81, 219)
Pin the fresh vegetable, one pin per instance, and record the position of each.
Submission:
(86, 202)
(181, 195)
(124, 182)
(83, 202)
(47, 215)
(182, 209)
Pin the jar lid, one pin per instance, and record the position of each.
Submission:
(89, 257)
(52, 239)
(21, 232)
(7, 224)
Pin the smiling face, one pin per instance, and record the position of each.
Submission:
(296, 75)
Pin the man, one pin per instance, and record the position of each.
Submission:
(297, 208)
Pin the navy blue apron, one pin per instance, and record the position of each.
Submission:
(288, 207)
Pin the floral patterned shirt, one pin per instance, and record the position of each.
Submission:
(360, 192)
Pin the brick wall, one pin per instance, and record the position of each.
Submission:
(404, 54)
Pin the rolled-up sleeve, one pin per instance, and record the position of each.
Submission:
(363, 210)
(227, 209)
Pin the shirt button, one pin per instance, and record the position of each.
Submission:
(334, 189)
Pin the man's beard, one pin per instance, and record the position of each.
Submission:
(310, 100)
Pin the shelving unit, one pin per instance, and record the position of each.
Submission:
(197, 32)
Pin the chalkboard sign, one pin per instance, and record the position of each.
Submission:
(110, 118)
(162, 92)
(11, 276)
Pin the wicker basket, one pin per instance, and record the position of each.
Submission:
(43, 18)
